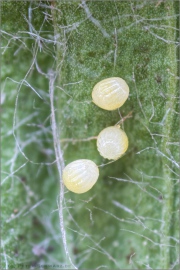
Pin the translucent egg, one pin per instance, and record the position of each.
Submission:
(112, 142)
(111, 93)
(80, 175)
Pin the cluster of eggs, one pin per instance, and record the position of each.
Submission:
(109, 94)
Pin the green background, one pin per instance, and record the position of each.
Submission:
(129, 219)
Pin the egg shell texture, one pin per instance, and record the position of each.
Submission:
(112, 142)
(79, 176)
(110, 93)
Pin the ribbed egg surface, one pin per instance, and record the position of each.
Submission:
(110, 94)
(80, 176)
(112, 142)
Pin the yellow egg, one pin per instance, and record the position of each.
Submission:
(111, 93)
(80, 175)
(112, 142)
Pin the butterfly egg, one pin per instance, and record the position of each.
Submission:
(112, 142)
(80, 175)
(110, 94)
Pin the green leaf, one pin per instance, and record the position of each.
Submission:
(129, 219)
